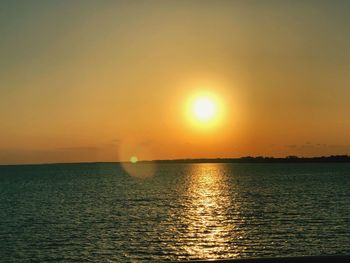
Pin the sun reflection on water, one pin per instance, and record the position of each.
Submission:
(209, 226)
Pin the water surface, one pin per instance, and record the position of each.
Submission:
(98, 213)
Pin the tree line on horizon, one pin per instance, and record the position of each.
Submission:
(263, 159)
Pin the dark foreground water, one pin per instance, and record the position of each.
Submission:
(98, 213)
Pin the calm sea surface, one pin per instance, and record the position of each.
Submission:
(98, 213)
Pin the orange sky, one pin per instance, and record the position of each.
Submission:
(101, 80)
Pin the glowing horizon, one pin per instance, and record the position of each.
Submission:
(108, 80)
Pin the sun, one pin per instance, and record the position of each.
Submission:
(204, 109)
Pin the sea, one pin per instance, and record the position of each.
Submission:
(101, 212)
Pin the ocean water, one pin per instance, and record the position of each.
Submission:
(99, 213)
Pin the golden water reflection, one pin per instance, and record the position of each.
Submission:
(209, 214)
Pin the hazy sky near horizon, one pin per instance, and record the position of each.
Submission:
(101, 80)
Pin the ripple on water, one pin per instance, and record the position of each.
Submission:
(97, 213)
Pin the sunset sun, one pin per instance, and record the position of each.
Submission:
(204, 108)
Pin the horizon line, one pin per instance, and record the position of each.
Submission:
(242, 159)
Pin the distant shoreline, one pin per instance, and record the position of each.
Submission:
(247, 159)
(262, 159)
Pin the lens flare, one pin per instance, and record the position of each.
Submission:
(135, 156)
(133, 159)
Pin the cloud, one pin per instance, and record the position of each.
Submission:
(107, 152)
(319, 146)
(81, 148)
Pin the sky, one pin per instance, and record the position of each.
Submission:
(86, 81)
